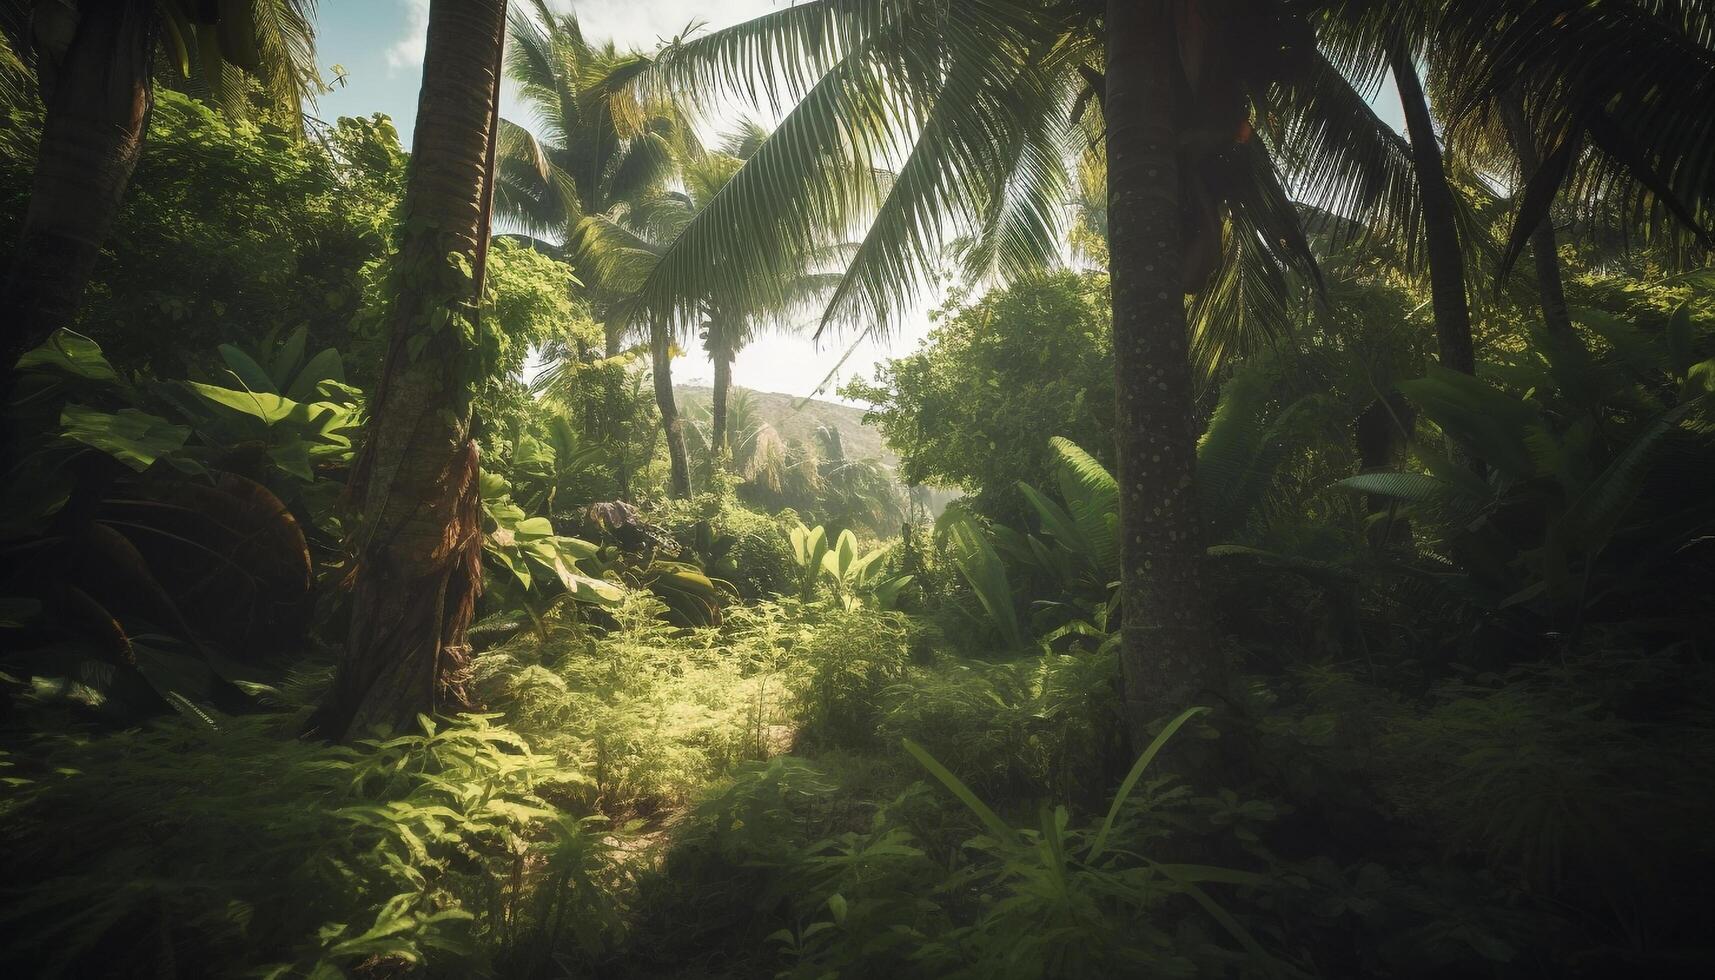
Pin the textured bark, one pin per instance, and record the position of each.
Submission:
(98, 103)
(1166, 657)
(419, 546)
(673, 427)
(1447, 296)
(722, 358)
(1545, 250)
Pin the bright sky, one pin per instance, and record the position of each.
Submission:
(380, 45)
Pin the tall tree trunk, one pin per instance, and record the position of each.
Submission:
(1440, 224)
(98, 101)
(1382, 432)
(718, 448)
(673, 427)
(1545, 250)
(419, 545)
(1166, 657)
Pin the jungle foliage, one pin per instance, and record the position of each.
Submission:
(731, 703)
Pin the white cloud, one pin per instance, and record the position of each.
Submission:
(407, 52)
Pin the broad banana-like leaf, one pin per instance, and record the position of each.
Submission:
(809, 547)
(982, 568)
(283, 366)
(266, 406)
(1595, 514)
(887, 592)
(133, 437)
(692, 598)
(250, 374)
(306, 385)
(560, 556)
(72, 353)
(845, 550)
(863, 569)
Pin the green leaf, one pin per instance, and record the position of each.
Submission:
(293, 456)
(997, 828)
(326, 366)
(1136, 773)
(533, 528)
(72, 353)
(249, 373)
(270, 408)
(133, 437)
(982, 568)
(288, 359)
(1415, 487)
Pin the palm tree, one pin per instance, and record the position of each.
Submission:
(617, 249)
(1617, 92)
(418, 549)
(741, 427)
(601, 145)
(855, 492)
(620, 249)
(1544, 244)
(92, 65)
(1440, 218)
(930, 121)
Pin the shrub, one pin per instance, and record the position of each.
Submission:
(261, 852)
(1036, 728)
(733, 543)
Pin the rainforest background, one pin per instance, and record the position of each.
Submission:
(1288, 553)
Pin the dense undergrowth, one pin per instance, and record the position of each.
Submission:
(725, 704)
(740, 801)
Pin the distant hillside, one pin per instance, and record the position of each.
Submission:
(781, 411)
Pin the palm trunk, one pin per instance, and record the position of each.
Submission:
(679, 485)
(1165, 657)
(419, 546)
(718, 407)
(97, 116)
(1440, 226)
(1545, 250)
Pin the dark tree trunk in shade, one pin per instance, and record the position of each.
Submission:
(418, 546)
(98, 100)
(1166, 656)
(1382, 432)
(673, 427)
(1545, 250)
(1448, 299)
